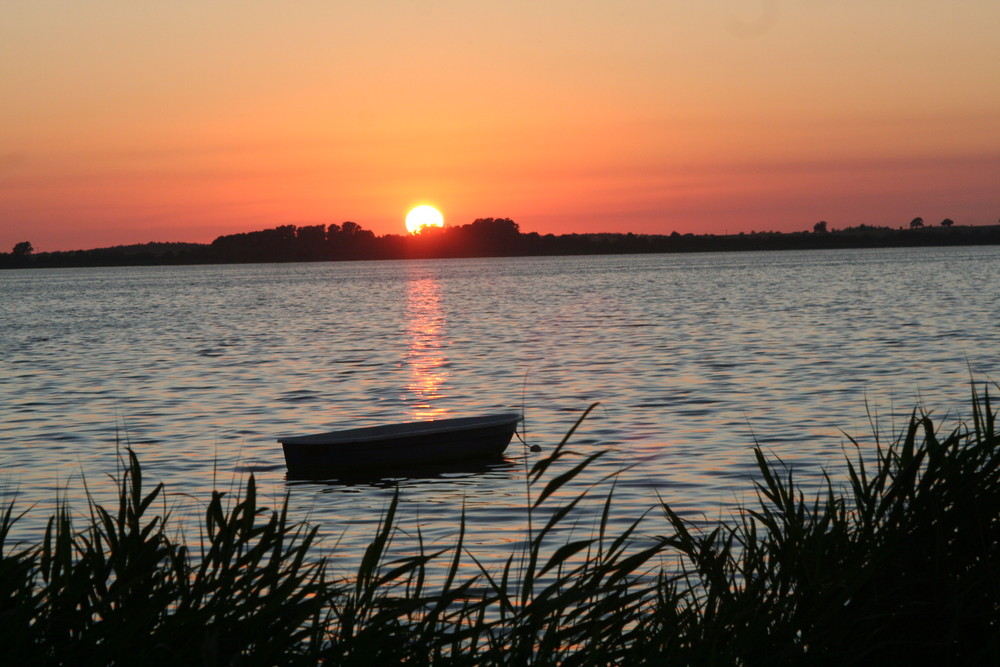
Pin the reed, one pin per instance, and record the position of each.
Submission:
(897, 562)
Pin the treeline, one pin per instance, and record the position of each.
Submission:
(484, 237)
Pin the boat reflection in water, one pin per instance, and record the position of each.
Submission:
(456, 472)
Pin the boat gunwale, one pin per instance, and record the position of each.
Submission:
(415, 429)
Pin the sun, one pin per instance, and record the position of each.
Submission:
(423, 216)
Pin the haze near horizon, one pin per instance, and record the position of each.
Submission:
(185, 121)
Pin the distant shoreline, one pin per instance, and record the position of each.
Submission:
(487, 237)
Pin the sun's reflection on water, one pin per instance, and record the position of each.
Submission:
(425, 358)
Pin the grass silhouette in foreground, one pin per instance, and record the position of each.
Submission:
(897, 565)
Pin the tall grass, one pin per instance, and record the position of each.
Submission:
(898, 562)
(122, 591)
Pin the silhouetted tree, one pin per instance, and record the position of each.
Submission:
(947, 222)
(916, 223)
(820, 227)
(496, 226)
(312, 234)
(22, 250)
(491, 236)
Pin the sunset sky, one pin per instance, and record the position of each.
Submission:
(127, 122)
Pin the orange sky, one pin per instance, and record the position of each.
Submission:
(184, 120)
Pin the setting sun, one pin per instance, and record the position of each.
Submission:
(423, 216)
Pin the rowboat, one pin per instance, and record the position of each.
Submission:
(400, 445)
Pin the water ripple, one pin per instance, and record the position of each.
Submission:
(693, 358)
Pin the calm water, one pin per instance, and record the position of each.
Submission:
(692, 357)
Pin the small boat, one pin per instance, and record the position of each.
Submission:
(399, 445)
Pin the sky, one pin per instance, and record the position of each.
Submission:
(147, 121)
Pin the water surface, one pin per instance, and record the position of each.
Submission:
(692, 358)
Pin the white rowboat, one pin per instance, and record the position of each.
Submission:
(400, 445)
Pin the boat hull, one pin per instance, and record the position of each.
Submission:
(400, 445)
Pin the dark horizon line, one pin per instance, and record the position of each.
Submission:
(484, 237)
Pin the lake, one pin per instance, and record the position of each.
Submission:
(693, 358)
